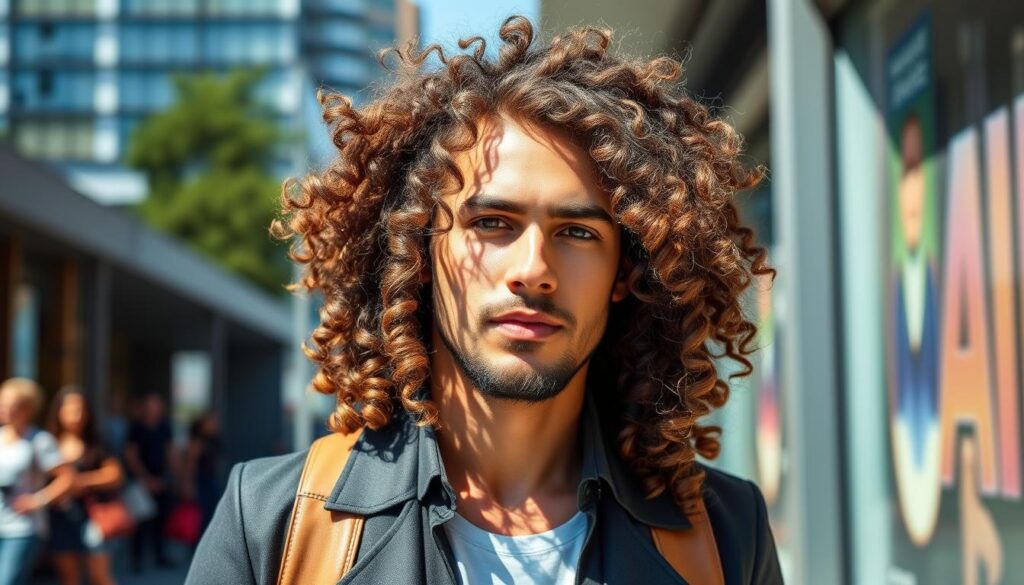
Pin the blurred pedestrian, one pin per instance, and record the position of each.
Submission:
(115, 423)
(32, 475)
(98, 475)
(149, 457)
(201, 468)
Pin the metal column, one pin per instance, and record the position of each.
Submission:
(801, 127)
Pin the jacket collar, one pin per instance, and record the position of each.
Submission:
(601, 461)
(402, 462)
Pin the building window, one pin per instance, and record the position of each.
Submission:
(246, 7)
(45, 83)
(56, 7)
(49, 42)
(145, 91)
(54, 90)
(160, 7)
(55, 140)
(159, 43)
(249, 43)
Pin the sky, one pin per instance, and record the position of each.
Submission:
(445, 21)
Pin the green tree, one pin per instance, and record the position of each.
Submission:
(207, 159)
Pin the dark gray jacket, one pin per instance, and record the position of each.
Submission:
(395, 478)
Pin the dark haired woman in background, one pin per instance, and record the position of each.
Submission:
(201, 471)
(98, 475)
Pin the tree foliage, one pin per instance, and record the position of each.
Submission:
(208, 159)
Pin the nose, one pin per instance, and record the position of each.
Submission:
(530, 272)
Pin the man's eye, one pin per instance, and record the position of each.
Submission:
(580, 233)
(490, 223)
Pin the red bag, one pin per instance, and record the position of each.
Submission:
(111, 518)
(185, 523)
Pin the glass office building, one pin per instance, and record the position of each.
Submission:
(77, 76)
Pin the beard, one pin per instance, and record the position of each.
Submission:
(534, 385)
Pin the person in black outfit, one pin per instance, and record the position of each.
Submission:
(148, 455)
(201, 471)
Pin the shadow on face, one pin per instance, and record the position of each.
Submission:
(523, 281)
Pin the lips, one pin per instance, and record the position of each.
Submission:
(521, 325)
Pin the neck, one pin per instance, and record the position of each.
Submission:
(514, 465)
(15, 429)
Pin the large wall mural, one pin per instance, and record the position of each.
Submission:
(952, 327)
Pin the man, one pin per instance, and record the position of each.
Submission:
(527, 268)
(148, 454)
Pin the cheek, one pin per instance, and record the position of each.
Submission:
(463, 265)
(587, 284)
(589, 275)
(452, 282)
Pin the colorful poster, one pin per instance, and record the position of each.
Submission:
(952, 328)
(912, 291)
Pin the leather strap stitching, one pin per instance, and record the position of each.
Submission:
(312, 496)
(353, 544)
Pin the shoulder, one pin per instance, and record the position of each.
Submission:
(259, 495)
(41, 438)
(271, 472)
(739, 520)
(46, 450)
(267, 483)
(243, 541)
(734, 495)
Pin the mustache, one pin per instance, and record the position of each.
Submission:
(542, 305)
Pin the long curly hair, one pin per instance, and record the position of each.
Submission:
(360, 230)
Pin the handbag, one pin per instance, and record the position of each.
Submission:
(111, 518)
(185, 523)
(139, 503)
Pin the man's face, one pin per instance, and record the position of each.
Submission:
(522, 284)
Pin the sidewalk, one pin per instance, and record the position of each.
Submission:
(150, 575)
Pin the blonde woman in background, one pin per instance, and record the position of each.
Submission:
(32, 475)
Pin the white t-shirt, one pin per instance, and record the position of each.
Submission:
(485, 558)
(23, 468)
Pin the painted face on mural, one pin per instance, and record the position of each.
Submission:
(911, 188)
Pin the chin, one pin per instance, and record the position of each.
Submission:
(512, 363)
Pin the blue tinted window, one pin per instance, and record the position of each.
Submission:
(145, 91)
(159, 43)
(53, 42)
(49, 90)
(347, 6)
(337, 32)
(342, 69)
(160, 7)
(249, 43)
(125, 127)
(245, 7)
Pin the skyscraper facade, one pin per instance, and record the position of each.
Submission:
(77, 76)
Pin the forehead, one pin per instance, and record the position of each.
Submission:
(528, 163)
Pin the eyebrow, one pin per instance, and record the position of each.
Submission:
(482, 202)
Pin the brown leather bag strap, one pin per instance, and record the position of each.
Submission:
(321, 545)
(692, 552)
